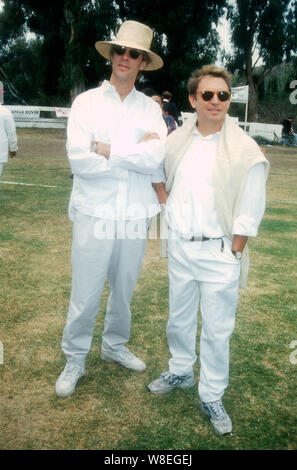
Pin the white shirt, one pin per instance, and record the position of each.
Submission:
(8, 137)
(190, 208)
(119, 187)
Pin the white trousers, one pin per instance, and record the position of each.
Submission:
(200, 274)
(93, 259)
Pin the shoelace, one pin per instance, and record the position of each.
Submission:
(216, 407)
(70, 371)
(125, 353)
(174, 379)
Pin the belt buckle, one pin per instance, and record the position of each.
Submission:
(196, 239)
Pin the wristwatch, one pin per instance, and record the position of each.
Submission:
(237, 254)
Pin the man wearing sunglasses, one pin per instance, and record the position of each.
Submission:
(216, 178)
(116, 147)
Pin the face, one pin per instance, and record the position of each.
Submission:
(124, 68)
(210, 113)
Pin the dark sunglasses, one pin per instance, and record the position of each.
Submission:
(222, 95)
(120, 50)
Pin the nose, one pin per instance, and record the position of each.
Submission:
(215, 99)
(126, 55)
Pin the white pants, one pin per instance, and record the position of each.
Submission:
(201, 274)
(93, 259)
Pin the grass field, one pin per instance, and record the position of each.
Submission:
(112, 408)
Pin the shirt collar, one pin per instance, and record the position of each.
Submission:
(108, 88)
(214, 136)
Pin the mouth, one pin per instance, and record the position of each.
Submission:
(214, 110)
(123, 67)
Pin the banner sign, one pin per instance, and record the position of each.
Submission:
(25, 112)
(62, 112)
(240, 94)
(265, 130)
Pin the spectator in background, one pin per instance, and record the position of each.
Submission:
(172, 108)
(169, 120)
(287, 126)
(288, 135)
(8, 137)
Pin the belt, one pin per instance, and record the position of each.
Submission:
(199, 239)
(205, 239)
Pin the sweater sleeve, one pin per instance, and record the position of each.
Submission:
(252, 204)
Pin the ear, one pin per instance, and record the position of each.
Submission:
(142, 65)
(192, 100)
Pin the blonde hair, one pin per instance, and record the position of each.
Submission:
(212, 70)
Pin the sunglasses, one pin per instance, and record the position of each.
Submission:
(222, 95)
(120, 50)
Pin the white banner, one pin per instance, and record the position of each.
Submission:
(25, 112)
(240, 94)
(62, 112)
(265, 130)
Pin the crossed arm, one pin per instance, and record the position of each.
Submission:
(104, 149)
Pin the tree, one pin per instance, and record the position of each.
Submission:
(184, 36)
(291, 31)
(257, 26)
(19, 61)
(67, 30)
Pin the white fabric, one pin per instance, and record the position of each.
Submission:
(8, 137)
(191, 207)
(118, 188)
(94, 259)
(237, 154)
(200, 274)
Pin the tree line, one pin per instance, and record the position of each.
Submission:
(47, 53)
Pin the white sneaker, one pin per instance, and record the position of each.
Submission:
(124, 357)
(169, 381)
(67, 381)
(218, 416)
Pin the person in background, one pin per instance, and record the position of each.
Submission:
(215, 200)
(288, 135)
(169, 120)
(116, 146)
(8, 136)
(171, 108)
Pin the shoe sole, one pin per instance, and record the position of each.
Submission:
(123, 365)
(171, 389)
(65, 395)
(213, 426)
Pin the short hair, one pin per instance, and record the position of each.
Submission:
(212, 70)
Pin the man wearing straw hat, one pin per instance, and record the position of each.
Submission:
(116, 146)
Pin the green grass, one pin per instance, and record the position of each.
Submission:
(112, 408)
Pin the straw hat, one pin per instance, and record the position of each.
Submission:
(136, 36)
